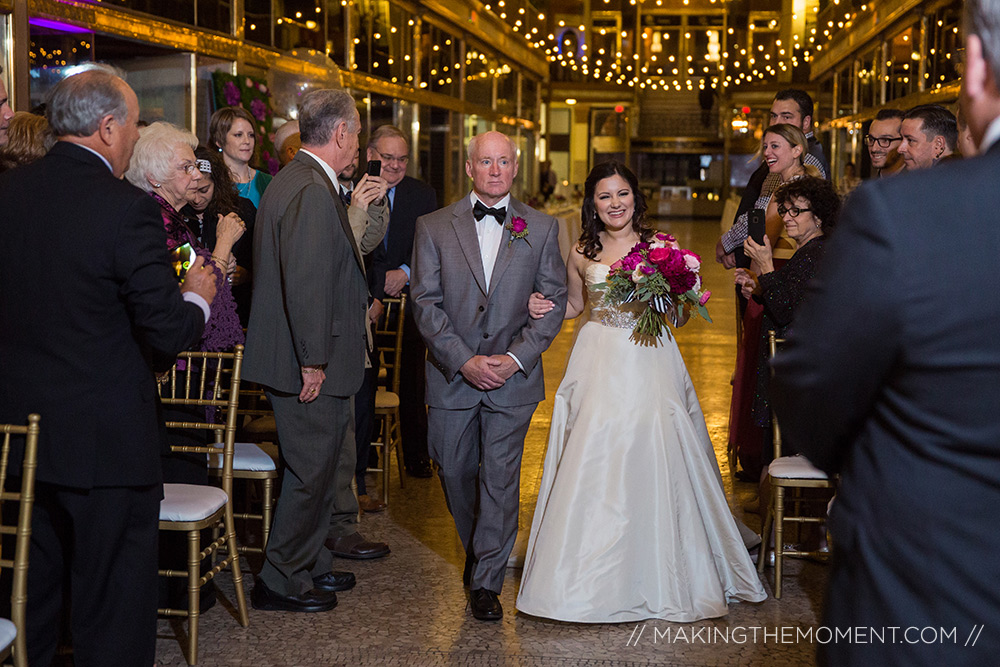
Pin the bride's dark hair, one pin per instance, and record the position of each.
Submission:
(590, 243)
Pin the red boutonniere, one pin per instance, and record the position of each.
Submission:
(518, 229)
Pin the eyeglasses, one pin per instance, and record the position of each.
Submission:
(188, 168)
(793, 211)
(884, 142)
(398, 159)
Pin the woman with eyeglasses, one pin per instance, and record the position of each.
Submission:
(809, 208)
(783, 149)
(163, 164)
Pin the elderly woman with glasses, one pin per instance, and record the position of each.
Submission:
(163, 164)
(809, 208)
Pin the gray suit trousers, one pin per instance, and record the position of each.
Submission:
(479, 453)
(315, 438)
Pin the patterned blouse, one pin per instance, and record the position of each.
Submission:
(223, 329)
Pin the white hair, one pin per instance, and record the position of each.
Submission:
(154, 153)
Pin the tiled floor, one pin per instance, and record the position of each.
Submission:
(410, 609)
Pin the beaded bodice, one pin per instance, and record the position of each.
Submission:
(619, 317)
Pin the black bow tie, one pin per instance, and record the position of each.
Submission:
(480, 211)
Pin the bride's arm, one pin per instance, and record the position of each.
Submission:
(576, 300)
(576, 288)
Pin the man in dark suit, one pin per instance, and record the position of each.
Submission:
(88, 298)
(309, 316)
(409, 199)
(472, 277)
(890, 379)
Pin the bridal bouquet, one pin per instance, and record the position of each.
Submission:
(658, 273)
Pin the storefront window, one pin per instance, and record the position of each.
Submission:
(944, 42)
(478, 78)
(439, 66)
(901, 67)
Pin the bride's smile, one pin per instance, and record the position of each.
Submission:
(614, 202)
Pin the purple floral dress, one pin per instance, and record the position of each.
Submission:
(223, 329)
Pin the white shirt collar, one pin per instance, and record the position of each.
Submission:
(326, 168)
(991, 136)
(503, 203)
(103, 159)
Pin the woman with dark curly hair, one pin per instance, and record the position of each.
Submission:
(809, 208)
(632, 520)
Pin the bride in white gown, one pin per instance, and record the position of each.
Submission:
(632, 521)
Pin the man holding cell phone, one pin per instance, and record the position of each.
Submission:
(408, 198)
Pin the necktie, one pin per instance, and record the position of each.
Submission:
(345, 196)
(480, 211)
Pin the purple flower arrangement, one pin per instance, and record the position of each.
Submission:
(659, 273)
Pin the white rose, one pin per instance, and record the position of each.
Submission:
(692, 262)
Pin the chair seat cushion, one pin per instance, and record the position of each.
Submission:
(386, 399)
(261, 425)
(8, 631)
(190, 502)
(794, 467)
(246, 456)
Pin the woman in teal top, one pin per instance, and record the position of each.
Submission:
(231, 132)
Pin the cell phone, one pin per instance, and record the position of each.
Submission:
(374, 167)
(756, 226)
(181, 258)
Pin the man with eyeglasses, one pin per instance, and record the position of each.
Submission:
(409, 198)
(883, 141)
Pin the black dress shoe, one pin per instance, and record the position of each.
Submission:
(333, 582)
(420, 469)
(264, 599)
(486, 605)
(356, 547)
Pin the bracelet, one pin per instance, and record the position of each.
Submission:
(311, 370)
(220, 259)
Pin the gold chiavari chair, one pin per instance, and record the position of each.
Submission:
(788, 473)
(252, 463)
(210, 383)
(389, 345)
(12, 632)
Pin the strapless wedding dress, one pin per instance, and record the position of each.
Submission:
(632, 521)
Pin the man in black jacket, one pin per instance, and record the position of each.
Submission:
(87, 298)
(890, 379)
(409, 199)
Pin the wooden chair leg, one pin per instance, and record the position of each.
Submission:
(194, 593)
(267, 509)
(396, 438)
(779, 538)
(241, 601)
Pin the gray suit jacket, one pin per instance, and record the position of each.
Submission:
(310, 296)
(458, 318)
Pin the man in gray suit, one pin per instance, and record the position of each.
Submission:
(475, 263)
(309, 314)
